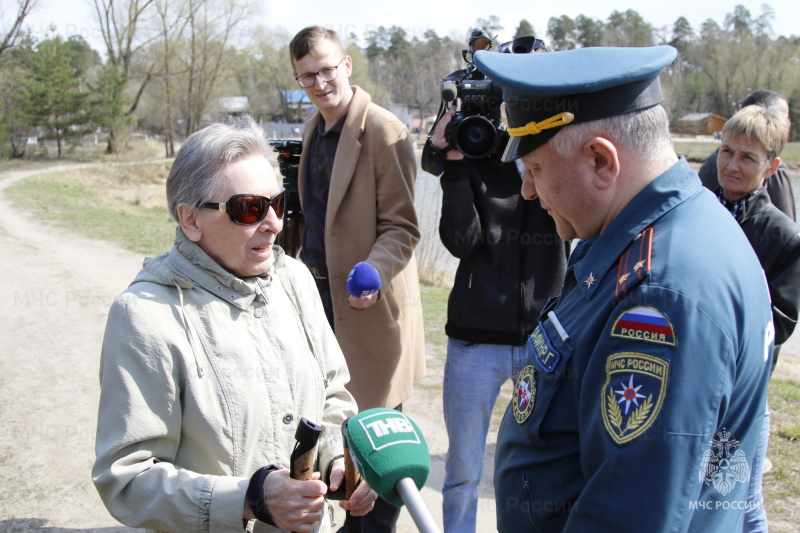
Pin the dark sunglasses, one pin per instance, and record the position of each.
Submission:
(249, 209)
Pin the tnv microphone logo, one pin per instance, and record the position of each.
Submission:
(388, 429)
(381, 428)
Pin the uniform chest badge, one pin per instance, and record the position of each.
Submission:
(644, 324)
(633, 394)
(524, 394)
(543, 351)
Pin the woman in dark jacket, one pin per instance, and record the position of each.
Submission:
(749, 154)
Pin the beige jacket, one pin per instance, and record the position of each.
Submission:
(371, 217)
(204, 378)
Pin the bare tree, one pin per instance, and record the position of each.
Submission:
(211, 25)
(265, 76)
(24, 8)
(173, 23)
(121, 31)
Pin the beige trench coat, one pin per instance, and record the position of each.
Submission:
(371, 217)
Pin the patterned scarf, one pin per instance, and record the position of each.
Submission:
(736, 208)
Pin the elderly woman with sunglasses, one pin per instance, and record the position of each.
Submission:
(213, 355)
(749, 155)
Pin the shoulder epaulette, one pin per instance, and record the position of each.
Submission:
(634, 263)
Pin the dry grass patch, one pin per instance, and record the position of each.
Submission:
(123, 203)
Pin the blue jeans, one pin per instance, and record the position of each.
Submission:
(473, 375)
(755, 517)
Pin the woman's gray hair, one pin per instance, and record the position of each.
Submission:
(195, 175)
(644, 132)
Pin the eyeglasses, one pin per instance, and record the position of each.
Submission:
(327, 74)
(249, 209)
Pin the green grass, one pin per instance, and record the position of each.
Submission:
(39, 156)
(791, 155)
(782, 482)
(695, 151)
(434, 301)
(88, 209)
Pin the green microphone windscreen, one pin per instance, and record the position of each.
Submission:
(387, 447)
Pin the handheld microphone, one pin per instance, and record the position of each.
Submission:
(352, 524)
(392, 455)
(363, 280)
(449, 91)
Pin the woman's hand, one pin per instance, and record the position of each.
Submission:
(295, 505)
(363, 499)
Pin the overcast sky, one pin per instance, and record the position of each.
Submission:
(416, 16)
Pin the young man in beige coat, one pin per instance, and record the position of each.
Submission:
(356, 185)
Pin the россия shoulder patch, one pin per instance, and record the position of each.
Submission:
(646, 324)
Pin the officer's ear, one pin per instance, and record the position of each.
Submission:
(604, 160)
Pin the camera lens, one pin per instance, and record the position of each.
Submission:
(476, 137)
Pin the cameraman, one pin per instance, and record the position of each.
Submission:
(511, 260)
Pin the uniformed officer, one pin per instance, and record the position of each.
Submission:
(644, 392)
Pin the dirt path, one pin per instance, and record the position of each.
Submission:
(55, 296)
(53, 304)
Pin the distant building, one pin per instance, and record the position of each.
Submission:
(297, 104)
(701, 124)
(233, 106)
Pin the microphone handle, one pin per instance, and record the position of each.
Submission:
(352, 524)
(423, 519)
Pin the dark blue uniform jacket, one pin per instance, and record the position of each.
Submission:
(645, 389)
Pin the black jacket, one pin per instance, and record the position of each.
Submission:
(776, 240)
(511, 258)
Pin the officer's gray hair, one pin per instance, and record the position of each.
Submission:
(195, 175)
(644, 132)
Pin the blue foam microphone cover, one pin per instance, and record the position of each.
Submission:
(363, 280)
(387, 447)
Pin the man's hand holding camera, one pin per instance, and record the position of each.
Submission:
(438, 137)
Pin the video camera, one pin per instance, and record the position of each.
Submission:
(476, 129)
(289, 151)
(289, 163)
